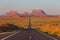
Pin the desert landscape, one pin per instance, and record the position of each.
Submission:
(39, 20)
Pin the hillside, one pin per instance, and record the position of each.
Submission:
(11, 15)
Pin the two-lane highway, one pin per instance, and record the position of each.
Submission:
(30, 35)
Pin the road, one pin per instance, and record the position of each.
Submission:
(29, 35)
(2, 35)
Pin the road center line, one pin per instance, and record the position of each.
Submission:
(9, 36)
(30, 37)
(49, 36)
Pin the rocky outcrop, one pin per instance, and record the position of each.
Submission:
(11, 15)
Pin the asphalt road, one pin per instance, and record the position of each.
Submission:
(2, 35)
(29, 35)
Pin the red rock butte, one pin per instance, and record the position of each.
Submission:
(41, 12)
(11, 15)
(15, 15)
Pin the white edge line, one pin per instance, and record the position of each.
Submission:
(49, 36)
(9, 36)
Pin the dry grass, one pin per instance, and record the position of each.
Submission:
(50, 25)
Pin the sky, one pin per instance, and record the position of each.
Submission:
(51, 7)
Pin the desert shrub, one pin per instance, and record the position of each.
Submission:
(8, 27)
(51, 29)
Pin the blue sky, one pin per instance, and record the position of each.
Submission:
(49, 6)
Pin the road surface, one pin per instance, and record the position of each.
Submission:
(29, 35)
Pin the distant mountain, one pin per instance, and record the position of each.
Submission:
(11, 15)
(39, 13)
(25, 14)
(35, 13)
